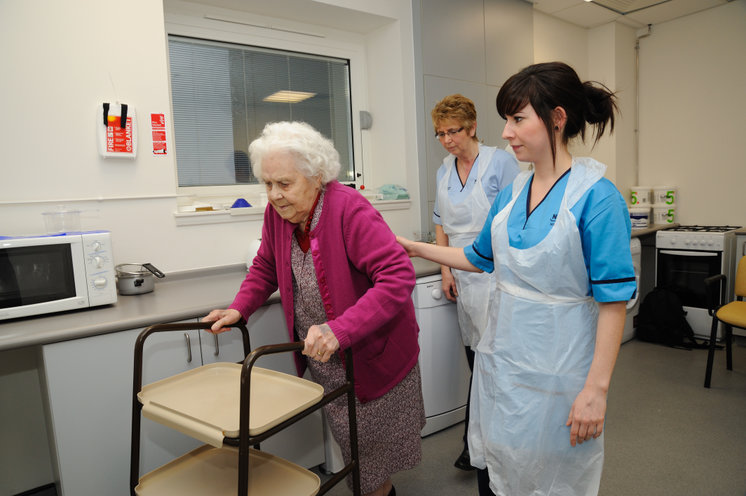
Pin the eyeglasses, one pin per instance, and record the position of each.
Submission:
(450, 132)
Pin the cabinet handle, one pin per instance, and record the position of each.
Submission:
(217, 345)
(189, 347)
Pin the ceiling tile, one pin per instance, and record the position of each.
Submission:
(641, 12)
(552, 6)
(673, 10)
(628, 6)
(586, 14)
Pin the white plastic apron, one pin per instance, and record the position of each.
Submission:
(462, 222)
(533, 360)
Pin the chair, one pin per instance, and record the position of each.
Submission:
(731, 314)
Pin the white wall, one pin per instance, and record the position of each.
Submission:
(469, 47)
(60, 61)
(555, 39)
(692, 76)
(69, 59)
(626, 167)
(692, 108)
(66, 58)
(604, 54)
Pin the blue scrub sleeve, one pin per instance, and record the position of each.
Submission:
(605, 229)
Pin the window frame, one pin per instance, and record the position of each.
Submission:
(284, 35)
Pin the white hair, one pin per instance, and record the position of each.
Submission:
(315, 155)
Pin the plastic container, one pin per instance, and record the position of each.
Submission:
(664, 195)
(664, 214)
(62, 221)
(640, 196)
(639, 217)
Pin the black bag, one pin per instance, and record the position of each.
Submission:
(662, 320)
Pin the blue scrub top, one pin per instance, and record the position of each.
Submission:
(501, 171)
(602, 219)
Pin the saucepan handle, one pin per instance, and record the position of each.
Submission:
(157, 273)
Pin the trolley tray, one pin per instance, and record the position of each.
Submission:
(214, 471)
(204, 402)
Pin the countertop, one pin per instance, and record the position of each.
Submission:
(651, 229)
(179, 296)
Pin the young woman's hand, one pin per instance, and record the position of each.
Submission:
(408, 245)
(586, 419)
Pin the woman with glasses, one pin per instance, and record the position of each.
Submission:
(468, 181)
(557, 242)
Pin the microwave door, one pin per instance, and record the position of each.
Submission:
(42, 277)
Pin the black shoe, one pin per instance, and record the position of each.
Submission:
(393, 491)
(463, 462)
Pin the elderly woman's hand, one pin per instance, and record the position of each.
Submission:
(321, 343)
(222, 317)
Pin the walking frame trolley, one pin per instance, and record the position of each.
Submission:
(232, 407)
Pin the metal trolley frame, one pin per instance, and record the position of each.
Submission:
(244, 440)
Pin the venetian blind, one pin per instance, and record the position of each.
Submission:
(219, 94)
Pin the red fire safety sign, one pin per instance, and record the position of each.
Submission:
(158, 127)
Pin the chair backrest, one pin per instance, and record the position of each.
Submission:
(740, 283)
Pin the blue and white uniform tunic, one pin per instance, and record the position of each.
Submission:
(551, 268)
(461, 209)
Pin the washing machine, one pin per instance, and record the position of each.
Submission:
(443, 366)
(633, 305)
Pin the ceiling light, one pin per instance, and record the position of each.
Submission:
(625, 7)
(288, 96)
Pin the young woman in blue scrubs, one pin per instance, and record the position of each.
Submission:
(468, 180)
(557, 242)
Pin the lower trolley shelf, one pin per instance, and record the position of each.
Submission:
(214, 471)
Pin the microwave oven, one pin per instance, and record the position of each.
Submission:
(45, 274)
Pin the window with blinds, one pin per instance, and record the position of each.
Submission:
(223, 95)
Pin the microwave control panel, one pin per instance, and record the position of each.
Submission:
(99, 266)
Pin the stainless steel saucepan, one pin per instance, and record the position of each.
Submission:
(134, 278)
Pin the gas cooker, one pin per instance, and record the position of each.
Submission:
(704, 229)
(699, 238)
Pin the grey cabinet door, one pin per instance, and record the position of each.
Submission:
(88, 386)
(88, 389)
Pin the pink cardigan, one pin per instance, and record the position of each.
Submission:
(365, 279)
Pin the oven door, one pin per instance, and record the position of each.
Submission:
(684, 272)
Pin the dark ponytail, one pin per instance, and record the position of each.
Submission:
(600, 109)
(549, 85)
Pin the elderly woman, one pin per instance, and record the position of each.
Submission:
(468, 180)
(344, 282)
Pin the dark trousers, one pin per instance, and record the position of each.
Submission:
(470, 359)
(483, 477)
(483, 481)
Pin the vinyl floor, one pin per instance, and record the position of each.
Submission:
(665, 433)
